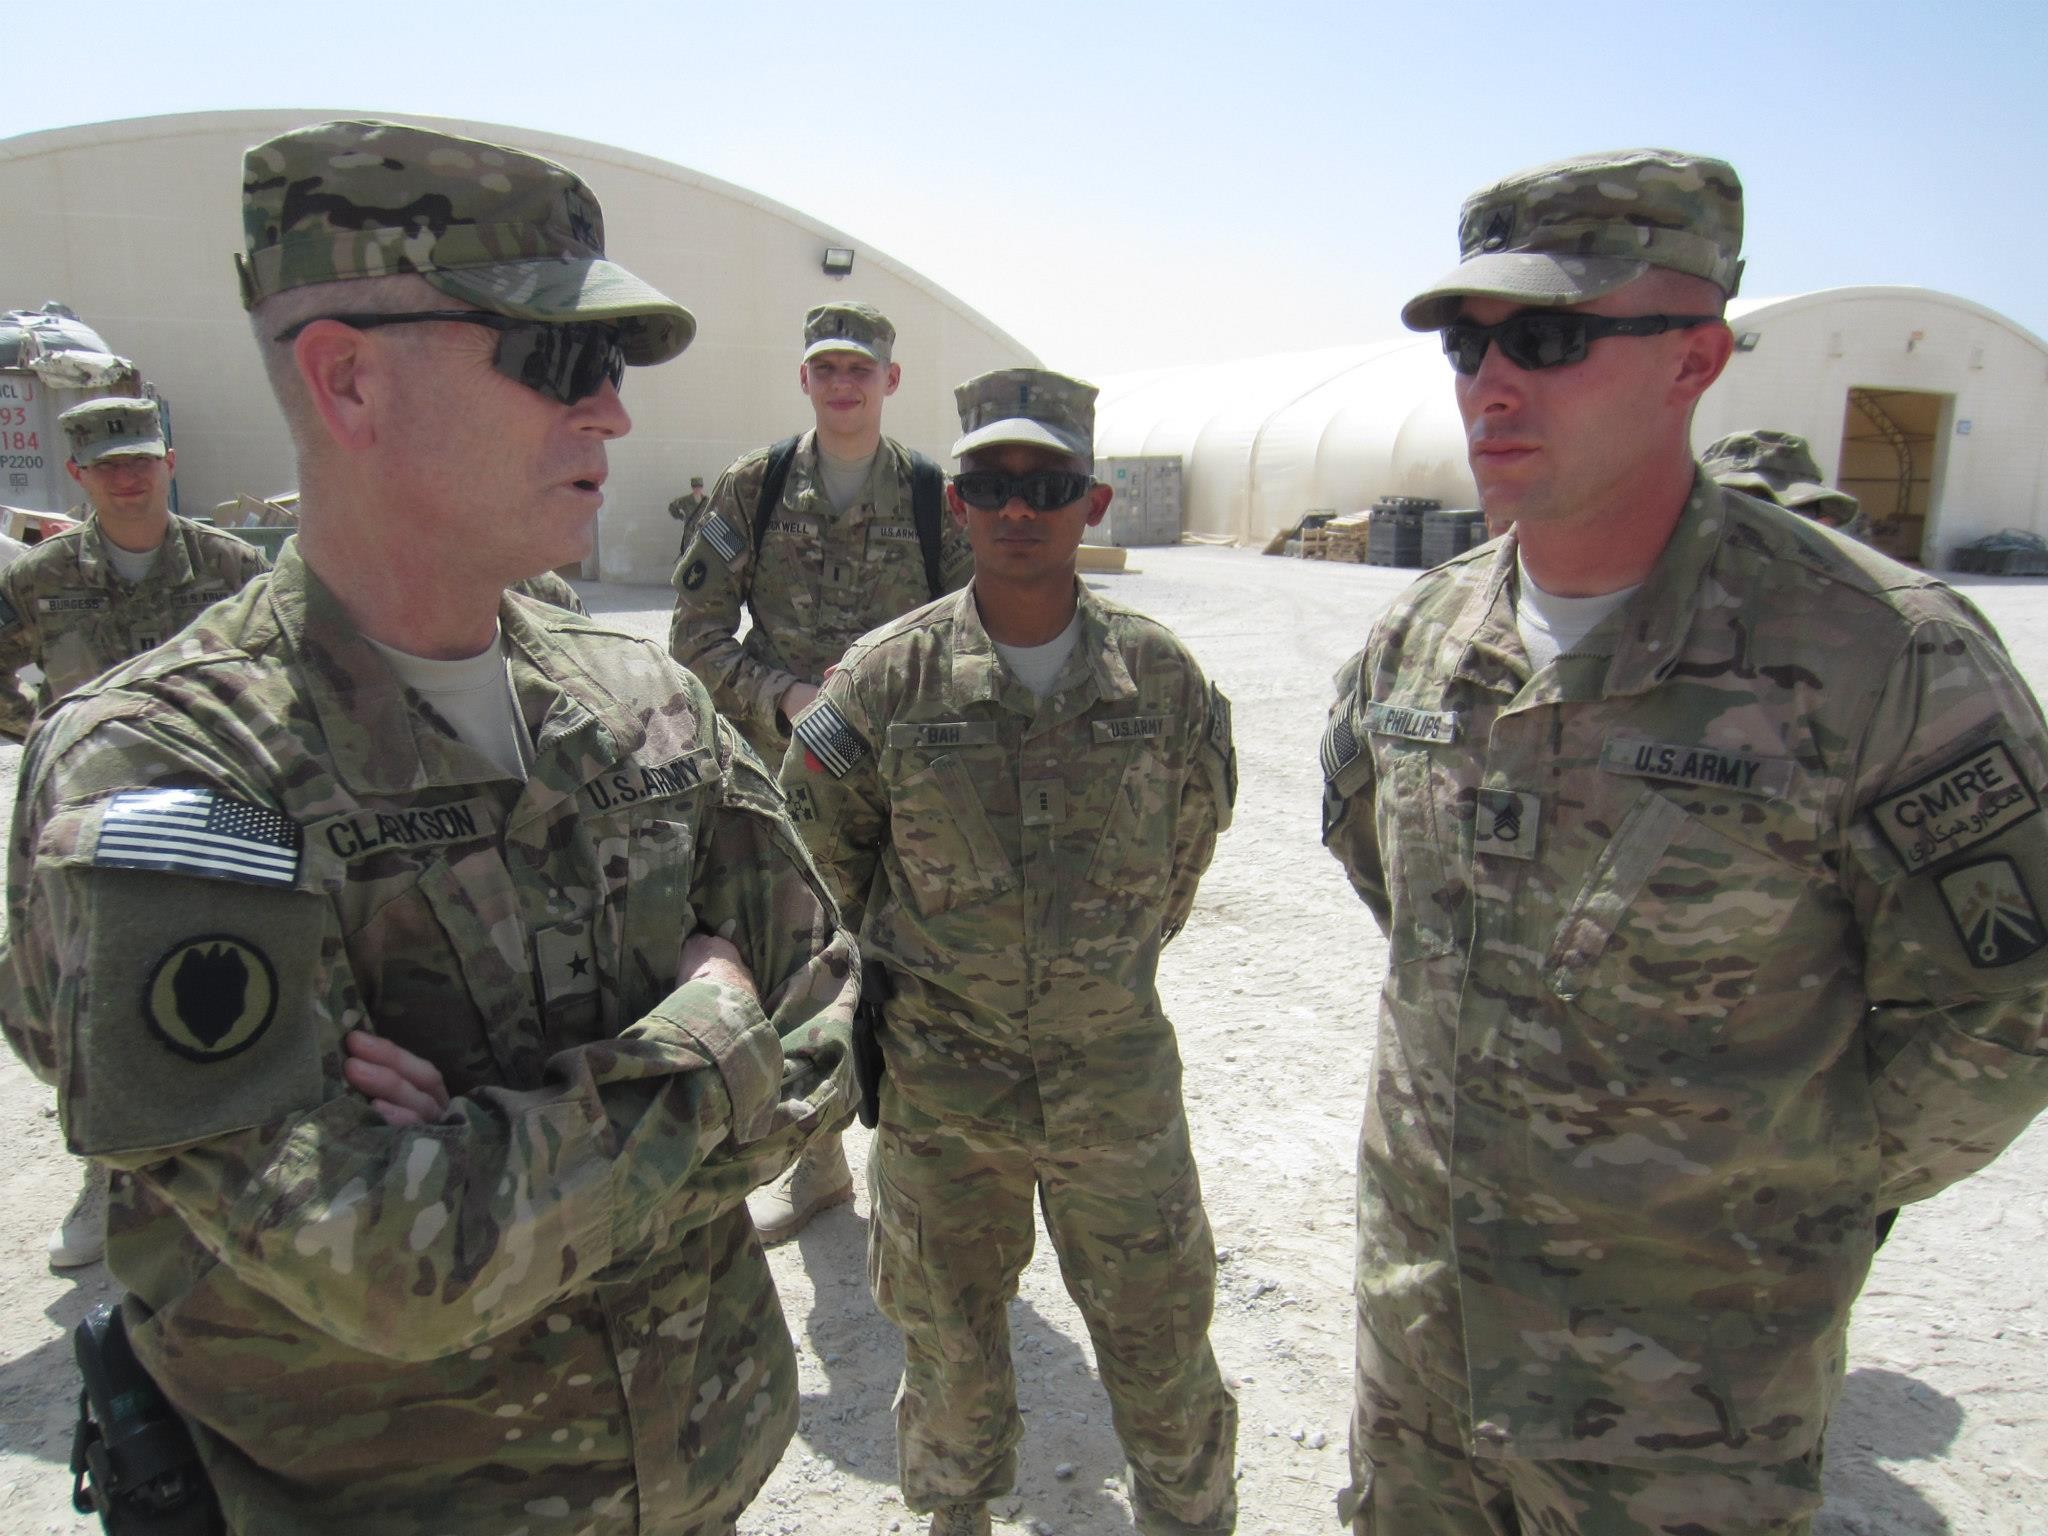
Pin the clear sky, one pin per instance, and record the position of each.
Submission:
(1126, 185)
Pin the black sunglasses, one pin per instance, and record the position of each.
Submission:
(1043, 490)
(566, 362)
(1551, 338)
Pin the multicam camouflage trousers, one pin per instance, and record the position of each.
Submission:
(952, 1233)
(1413, 1474)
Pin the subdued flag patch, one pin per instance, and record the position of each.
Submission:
(198, 832)
(719, 534)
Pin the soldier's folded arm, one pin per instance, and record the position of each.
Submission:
(1947, 865)
(834, 793)
(1208, 800)
(198, 1026)
(712, 580)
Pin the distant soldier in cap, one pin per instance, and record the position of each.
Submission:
(1779, 467)
(1706, 845)
(436, 968)
(128, 577)
(1014, 791)
(688, 507)
(821, 537)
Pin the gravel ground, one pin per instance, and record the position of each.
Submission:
(1944, 1425)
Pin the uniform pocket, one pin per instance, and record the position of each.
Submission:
(897, 1272)
(942, 837)
(1134, 854)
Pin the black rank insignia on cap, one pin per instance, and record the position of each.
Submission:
(1993, 912)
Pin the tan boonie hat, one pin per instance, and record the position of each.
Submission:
(491, 226)
(848, 328)
(1027, 405)
(1779, 466)
(109, 428)
(1578, 229)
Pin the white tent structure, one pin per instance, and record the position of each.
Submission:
(1925, 406)
(132, 224)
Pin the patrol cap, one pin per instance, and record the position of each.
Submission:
(492, 226)
(1027, 405)
(112, 427)
(1577, 229)
(1778, 465)
(696, 480)
(848, 328)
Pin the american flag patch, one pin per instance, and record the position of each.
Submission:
(722, 538)
(197, 832)
(1340, 746)
(837, 746)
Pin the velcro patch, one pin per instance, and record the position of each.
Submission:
(789, 527)
(197, 832)
(693, 576)
(721, 537)
(359, 834)
(1695, 763)
(210, 998)
(1993, 912)
(1130, 728)
(837, 746)
(1340, 746)
(929, 735)
(72, 602)
(1044, 802)
(895, 533)
(1439, 727)
(1959, 805)
(1505, 823)
(631, 781)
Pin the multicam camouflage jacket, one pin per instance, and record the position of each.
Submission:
(1708, 943)
(548, 1310)
(63, 608)
(1017, 864)
(823, 580)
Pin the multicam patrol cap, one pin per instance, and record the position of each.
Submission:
(492, 226)
(848, 328)
(1027, 405)
(1578, 229)
(1779, 466)
(112, 427)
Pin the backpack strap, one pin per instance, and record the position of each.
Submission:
(927, 486)
(780, 457)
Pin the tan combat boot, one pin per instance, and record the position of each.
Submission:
(959, 1520)
(816, 1181)
(81, 1238)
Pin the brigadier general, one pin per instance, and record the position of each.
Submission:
(1014, 791)
(128, 577)
(377, 823)
(821, 538)
(1709, 851)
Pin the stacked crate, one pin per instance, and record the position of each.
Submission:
(1446, 535)
(1397, 530)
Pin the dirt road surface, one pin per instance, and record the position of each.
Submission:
(1944, 1424)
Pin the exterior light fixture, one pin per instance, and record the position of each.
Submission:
(838, 260)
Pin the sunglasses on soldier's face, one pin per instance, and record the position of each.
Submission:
(1043, 490)
(567, 362)
(1551, 338)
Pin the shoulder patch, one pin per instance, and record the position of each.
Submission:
(1993, 913)
(1223, 743)
(1962, 803)
(693, 576)
(197, 832)
(1340, 746)
(210, 997)
(837, 746)
(719, 534)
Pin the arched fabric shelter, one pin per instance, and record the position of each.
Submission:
(1924, 405)
(133, 224)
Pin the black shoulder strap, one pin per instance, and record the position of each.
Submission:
(780, 457)
(927, 483)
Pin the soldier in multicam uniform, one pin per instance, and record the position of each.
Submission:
(1707, 848)
(437, 1015)
(1779, 467)
(128, 577)
(838, 554)
(1014, 791)
(688, 507)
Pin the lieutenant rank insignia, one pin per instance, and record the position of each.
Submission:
(197, 832)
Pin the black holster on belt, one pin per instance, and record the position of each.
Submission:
(132, 1459)
(869, 1019)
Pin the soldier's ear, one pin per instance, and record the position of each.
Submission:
(895, 378)
(71, 469)
(955, 505)
(337, 365)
